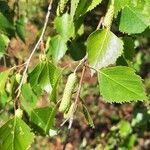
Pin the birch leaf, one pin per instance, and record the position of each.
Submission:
(120, 85)
(103, 48)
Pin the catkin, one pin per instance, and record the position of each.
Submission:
(62, 5)
(66, 99)
(70, 111)
(109, 17)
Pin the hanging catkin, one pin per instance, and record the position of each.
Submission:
(69, 88)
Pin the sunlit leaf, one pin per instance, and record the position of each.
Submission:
(84, 6)
(57, 48)
(103, 48)
(133, 20)
(124, 128)
(64, 26)
(43, 117)
(119, 5)
(121, 84)
(15, 135)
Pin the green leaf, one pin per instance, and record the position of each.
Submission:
(74, 5)
(4, 41)
(103, 48)
(44, 80)
(57, 48)
(28, 98)
(64, 26)
(3, 78)
(55, 76)
(119, 5)
(129, 48)
(4, 8)
(43, 117)
(46, 76)
(121, 84)
(20, 28)
(4, 98)
(88, 116)
(62, 4)
(124, 128)
(35, 73)
(133, 20)
(15, 135)
(131, 141)
(84, 6)
(77, 50)
(121, 61)
(6, 25)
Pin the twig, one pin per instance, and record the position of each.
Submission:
(18, 66)
(100, 23)
(35, 48)
(92, 68)
(77, 96)
(80, 63)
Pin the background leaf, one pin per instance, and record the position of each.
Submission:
(129, 48)
(64, 26)
(134, 20)
(62, 4)
(88, 116)
(119, 5)
(20, 28)
(4, 41)
(6, 25)
(57, 48)
(121, 84)
(84, 6)
(124, 128)
(3, 78)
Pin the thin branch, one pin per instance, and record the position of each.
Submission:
(79, 87)
(35, 48)
(77, 96)
(92, 68)
(80, 63)
(18, 66)
(100, 23)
